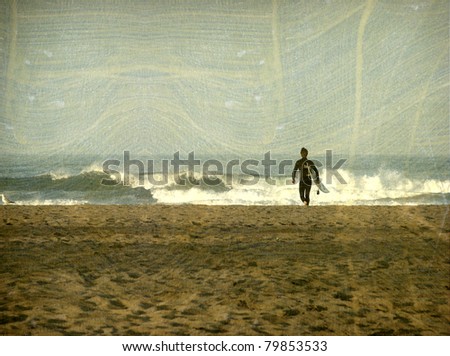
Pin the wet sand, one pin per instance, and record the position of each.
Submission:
(224, 270)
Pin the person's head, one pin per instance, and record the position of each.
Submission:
(304, 152)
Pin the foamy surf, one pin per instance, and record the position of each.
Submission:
(86, 185)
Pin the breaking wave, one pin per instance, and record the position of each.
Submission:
(92, 186)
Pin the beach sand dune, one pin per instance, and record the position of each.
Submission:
(224, 270)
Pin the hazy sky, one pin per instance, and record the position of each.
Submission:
(240, 77)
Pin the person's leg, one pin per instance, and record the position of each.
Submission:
(302, 191)
(307, 191)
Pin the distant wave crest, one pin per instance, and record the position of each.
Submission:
(385, 187)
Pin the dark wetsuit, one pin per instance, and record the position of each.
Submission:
(305, 177)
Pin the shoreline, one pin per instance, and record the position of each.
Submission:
(193, 269)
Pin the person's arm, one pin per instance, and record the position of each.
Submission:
(314, 168)
(294, 172)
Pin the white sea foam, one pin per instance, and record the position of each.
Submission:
(84, 186)
(52, 202)
(59, 175)
(388, 189)
(93, 167)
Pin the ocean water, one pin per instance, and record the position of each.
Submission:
(374, 180)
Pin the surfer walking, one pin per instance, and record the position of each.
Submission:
(304, 166)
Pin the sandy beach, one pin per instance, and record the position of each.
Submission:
(224, 270)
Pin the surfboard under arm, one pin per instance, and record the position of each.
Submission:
(317, 181)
